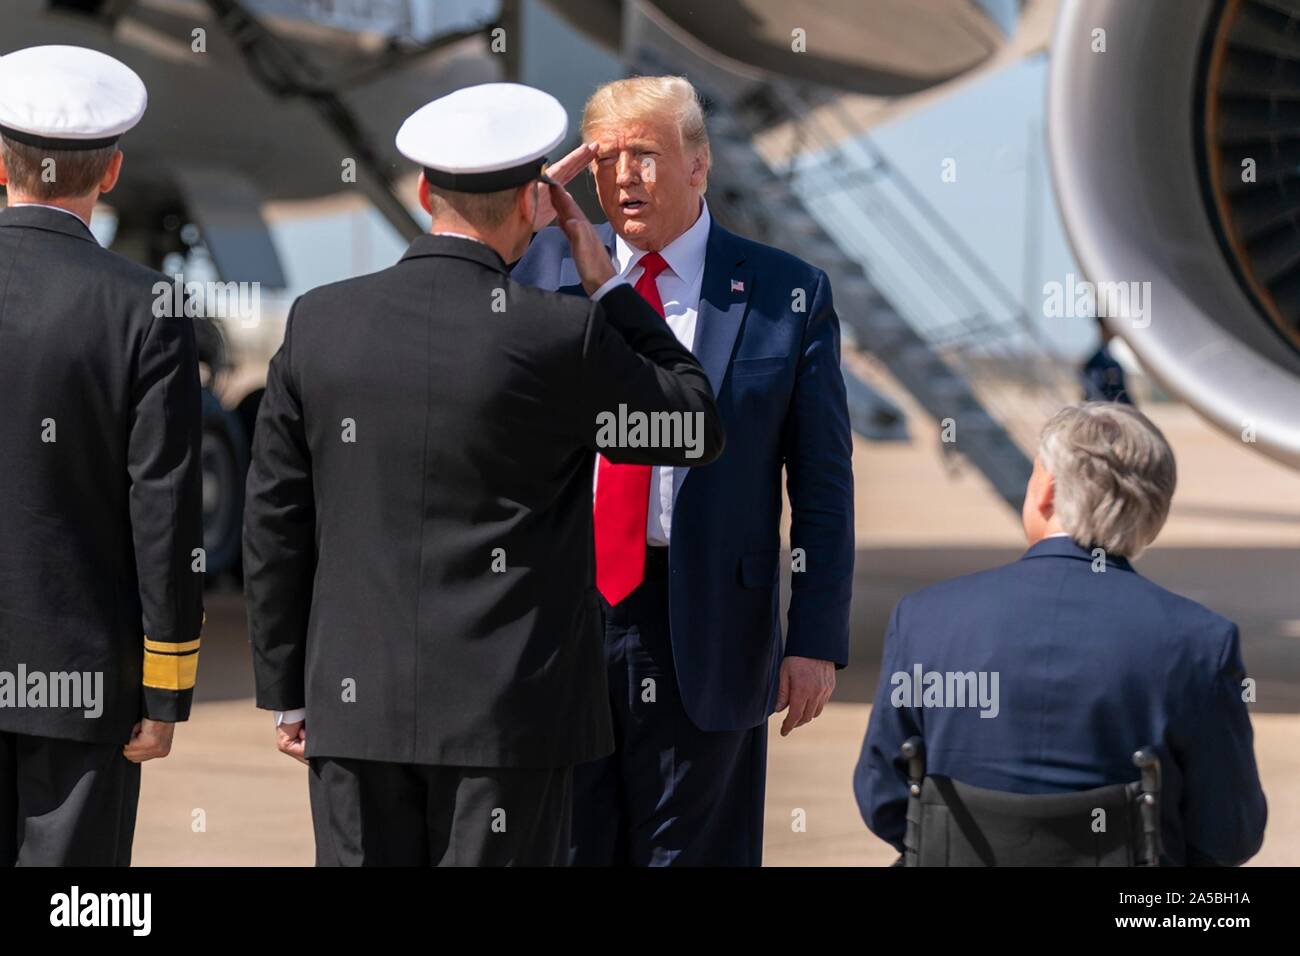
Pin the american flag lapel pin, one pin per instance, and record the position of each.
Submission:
(737, 285)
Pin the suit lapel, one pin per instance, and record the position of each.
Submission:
(724, 297)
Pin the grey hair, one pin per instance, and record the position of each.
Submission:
(1115, 475)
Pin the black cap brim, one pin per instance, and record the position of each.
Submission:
(50, 142)
(491, 182)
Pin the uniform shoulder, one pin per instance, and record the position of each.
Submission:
(140, 295)
(340, 289)
(560, 305)
(336, 297)
(131, 272)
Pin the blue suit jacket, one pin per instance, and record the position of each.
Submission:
(776, 374)
(1092, 665)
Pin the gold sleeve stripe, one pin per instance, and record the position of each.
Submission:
(170, 671)
(164, 648)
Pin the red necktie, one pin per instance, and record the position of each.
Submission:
(623, 492)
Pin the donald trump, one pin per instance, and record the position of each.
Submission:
(687, 559)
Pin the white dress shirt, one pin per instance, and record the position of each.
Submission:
(679, 289)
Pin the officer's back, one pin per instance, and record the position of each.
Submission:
(1091, 660)
(450, 414)
(100, 487)
(76, 331)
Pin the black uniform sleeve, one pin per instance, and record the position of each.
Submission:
(632, 363)
(166, 506)
(279, 538)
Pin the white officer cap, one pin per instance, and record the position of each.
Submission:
(68, 97)
(485, 138)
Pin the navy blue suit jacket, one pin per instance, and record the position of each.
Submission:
(1092, 665)
(775, 371)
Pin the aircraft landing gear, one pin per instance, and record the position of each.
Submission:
(225, 465)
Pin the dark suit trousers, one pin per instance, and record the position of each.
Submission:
(671, 794)
(373, 813)
(65, 802)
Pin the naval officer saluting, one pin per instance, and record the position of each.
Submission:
(100, 489)
(418, 545)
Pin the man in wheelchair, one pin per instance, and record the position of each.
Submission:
(1120, 733)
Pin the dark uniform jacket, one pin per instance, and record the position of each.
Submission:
(418, 540)
(100, 489)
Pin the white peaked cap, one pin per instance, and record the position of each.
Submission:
(68, 97)
(484, 138)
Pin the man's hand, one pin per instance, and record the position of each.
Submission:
(806, 686)
(149, 739)
(291, 739)
(589, 253)
(563, 173)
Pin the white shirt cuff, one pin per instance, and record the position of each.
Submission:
(610, 283)
(290, 716)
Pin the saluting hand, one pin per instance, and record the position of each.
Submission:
(150, 739)
(589, 253)
(291, 739)
(563, 173)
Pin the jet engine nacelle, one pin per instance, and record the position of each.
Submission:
(1174, 133)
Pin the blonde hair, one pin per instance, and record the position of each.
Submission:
(639, 98)
(1115, 475)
